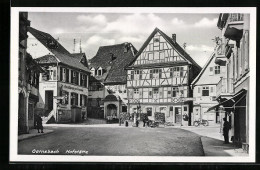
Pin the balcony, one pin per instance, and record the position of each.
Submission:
(234, 17)
(225, 87)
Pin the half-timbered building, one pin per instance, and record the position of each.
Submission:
(159, 78)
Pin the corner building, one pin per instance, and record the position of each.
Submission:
(159, 78)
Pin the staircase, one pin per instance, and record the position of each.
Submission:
(45, 119)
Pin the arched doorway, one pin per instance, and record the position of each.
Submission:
(112, 111)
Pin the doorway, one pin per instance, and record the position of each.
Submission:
(112, 111)
(177, 114)
(48, 102)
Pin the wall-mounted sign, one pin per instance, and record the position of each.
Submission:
(71, 88)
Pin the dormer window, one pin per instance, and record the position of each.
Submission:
(99, 71)
(92, 71)
(113, 57)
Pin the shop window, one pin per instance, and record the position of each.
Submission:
(149, 111)
(74, 99)
(205, 91)
(65, 99)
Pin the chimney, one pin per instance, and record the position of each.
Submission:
(174, 38)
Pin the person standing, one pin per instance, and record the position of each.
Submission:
(226, 128)
(39, 124)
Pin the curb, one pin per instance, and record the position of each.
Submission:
(202, 147)
(29, 137)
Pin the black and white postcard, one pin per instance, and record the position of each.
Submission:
(133, 84)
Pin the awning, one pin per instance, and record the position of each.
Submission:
(220, 62)
(229, 103)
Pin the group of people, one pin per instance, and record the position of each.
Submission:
(146, 122)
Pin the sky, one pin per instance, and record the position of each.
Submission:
(101, 29)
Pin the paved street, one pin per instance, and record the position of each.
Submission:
(116, 141)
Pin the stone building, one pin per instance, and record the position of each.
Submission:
(64, 85)
(159, 78)
(233, 89)
(107, 90)
(28, 76)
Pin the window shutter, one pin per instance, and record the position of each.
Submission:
(198, 90)
(54, 74)
(71, 76)
(211, 71)
(61, 72)
(160, 73)
(81, 102)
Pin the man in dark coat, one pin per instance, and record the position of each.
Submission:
(39, 124)
(226, 128)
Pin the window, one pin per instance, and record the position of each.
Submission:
(156, 55)
(181, 93)
(205, 91)
(82, 100)
(185, 108)
(136, 91)
(149, 111)
(155, 91)
(67, 75)
(150, 93)
(150, 56)
(66, 95)
(132, 75)
(155, 73)
(100, 72)
(74, 99)
(217, 69)
(171, 72)
(161, 46)
(140, 75)
(181, 72)
(175, 91)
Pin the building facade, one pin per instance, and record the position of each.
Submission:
(107, 90)
(64, 84)
(159, 78)
(205, 87)
(28, 75)
(233, 90)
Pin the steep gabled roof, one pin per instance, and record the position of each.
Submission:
(47, 59)
(60, 53)
(44, 37)
(174, 45)
(203, 69)
(115, 68)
